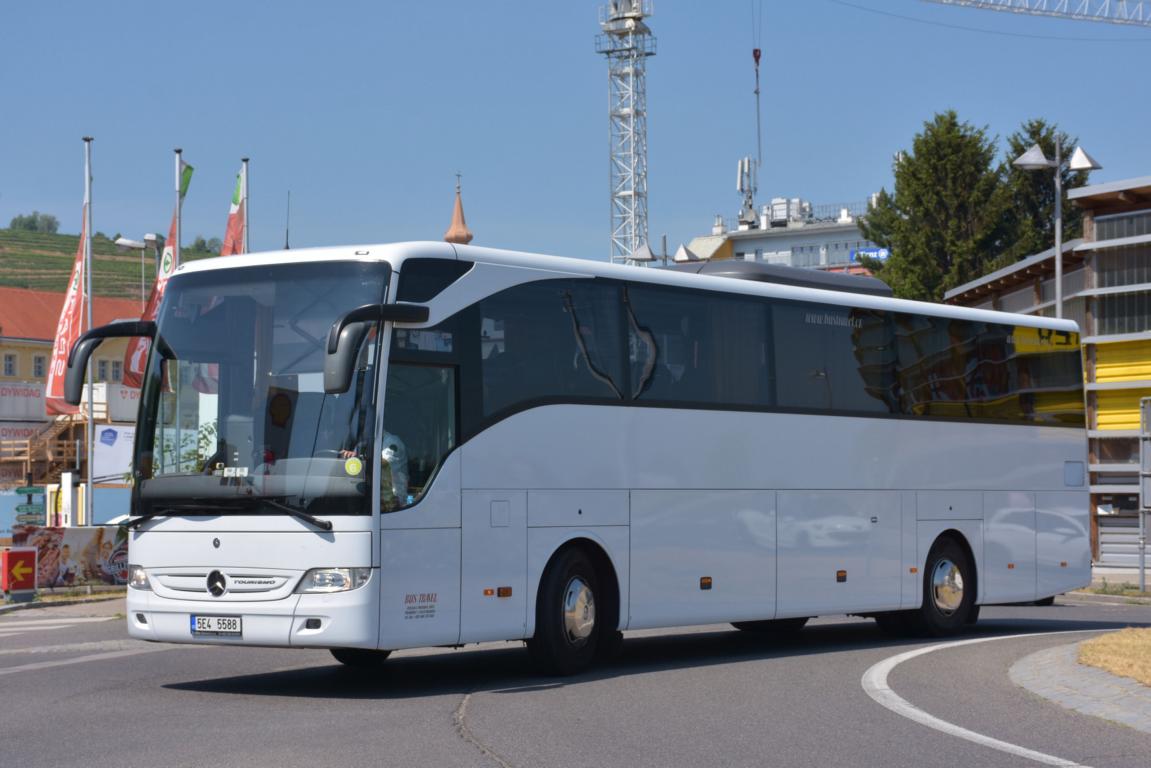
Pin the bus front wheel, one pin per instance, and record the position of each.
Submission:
(567, 632)
(359, 658)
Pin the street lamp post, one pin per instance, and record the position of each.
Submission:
(125, 244)
(150, 239)
(1034, 160)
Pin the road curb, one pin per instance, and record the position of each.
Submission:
(58, 603)
(1056, 674)
(1091, 597)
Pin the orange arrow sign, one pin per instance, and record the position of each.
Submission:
(18, 569)
(21, 570)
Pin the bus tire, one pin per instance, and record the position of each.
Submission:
(775, 626)
(360, 658)
(948, 590)
(567, 631)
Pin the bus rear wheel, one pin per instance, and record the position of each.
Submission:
(948, 590)
(360, 658)
(948, 596)
(567, 631)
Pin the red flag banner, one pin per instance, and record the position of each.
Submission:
(67, 331)
(234, 233)
(136, 356)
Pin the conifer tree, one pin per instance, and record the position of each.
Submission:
(944, 222)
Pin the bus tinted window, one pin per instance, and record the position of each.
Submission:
(422, 279)
(834, 358)
(686, 347)
(550, 341)
(584, 341)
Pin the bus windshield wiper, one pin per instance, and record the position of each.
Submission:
(174, 509)
(216, 506)
(296, 512)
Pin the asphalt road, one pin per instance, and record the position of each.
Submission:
(75, 691)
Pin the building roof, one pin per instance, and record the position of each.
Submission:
(1114, 196)
(1020, 272)
(709, 247)
(33, 315)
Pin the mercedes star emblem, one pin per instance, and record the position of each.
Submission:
(217, 583)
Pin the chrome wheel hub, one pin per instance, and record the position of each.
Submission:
(579, 611)
(947, 586)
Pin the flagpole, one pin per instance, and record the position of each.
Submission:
(179, 206)
(244, 199)
(91, 495)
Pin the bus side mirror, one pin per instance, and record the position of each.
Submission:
(347, 334)
(84, 347)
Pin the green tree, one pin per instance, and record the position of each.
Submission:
(46, 222)
(944, 221)
(1029, 221)
(35, 222)
(199, 244)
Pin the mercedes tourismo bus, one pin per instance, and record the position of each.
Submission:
(376, 448)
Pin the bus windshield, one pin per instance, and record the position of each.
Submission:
(234, 413)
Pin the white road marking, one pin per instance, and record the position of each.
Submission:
(8, 624)
(14, 632)
(14, 627)
(83, 659)
(875, 684)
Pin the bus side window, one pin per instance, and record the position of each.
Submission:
(548, 342)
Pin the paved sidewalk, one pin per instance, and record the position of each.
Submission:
(1056, 674)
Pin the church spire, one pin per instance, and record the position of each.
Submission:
(458, 232)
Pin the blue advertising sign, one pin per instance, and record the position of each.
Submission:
(879, 254)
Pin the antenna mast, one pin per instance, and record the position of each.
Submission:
(288, 221)
(748, 181)
(627, 42)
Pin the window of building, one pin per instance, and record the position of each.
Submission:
(9, 365)
(39, 366)
(117, 371)
(101, 370)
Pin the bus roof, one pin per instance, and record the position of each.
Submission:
(561, 266)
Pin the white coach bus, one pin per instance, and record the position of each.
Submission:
(385, 447)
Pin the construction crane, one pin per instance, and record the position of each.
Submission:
(1129, 12)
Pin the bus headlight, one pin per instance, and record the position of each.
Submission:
(325, 580)
(138, 577)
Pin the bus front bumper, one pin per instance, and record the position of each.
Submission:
(338, 620)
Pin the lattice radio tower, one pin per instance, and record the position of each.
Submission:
(627, 42)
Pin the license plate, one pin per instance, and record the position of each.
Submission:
(216, 625)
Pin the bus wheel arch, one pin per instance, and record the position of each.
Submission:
(951, 608)
(580, 572)
(950, 586)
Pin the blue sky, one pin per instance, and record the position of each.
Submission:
(366, 110)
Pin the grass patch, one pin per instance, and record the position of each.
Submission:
(1121, 589)
(1126, 653)
(71, 593)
